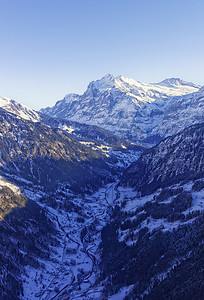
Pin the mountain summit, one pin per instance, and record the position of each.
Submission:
(126, 107)
(105, 82)
(173, 82)
(19, 109)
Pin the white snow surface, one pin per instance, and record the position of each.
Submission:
(74, 262)
(134, 200)
(73, 265)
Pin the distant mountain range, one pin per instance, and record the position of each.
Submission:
(133, 110)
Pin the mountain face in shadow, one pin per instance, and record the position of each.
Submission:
(176, 158)
(47, 156)
(153, 246)
(26, 235)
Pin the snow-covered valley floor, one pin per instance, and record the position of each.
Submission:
(72, 268)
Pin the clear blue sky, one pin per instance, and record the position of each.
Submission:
(49, 48)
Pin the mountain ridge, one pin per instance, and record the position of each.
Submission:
(163, 165)
(20, 110)
(128, 108)
(47, 156)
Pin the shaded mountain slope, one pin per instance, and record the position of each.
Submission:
(93, 137)
(153, 246)
(176, 158)
(26, 234)
(45, 156)
(90, 133)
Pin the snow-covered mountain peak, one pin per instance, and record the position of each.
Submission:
(129, 108)
(70, 97)
(18, 109)
(105, 82)
(176, 82)
(127, 80)
(147, 92)
(142, 91)
(119, 82)
(4, 101)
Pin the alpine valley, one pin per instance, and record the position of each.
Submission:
(102, 195)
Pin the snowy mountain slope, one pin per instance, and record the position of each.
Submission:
(182, 112)
(25, 233)
(176, 158)
(19, 109)
(153, 247)
(123, 106)
(91, 136)
(46, 156)
(98, 139)
(176, 82)
(42, 247)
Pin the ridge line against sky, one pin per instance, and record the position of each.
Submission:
(53, 47)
